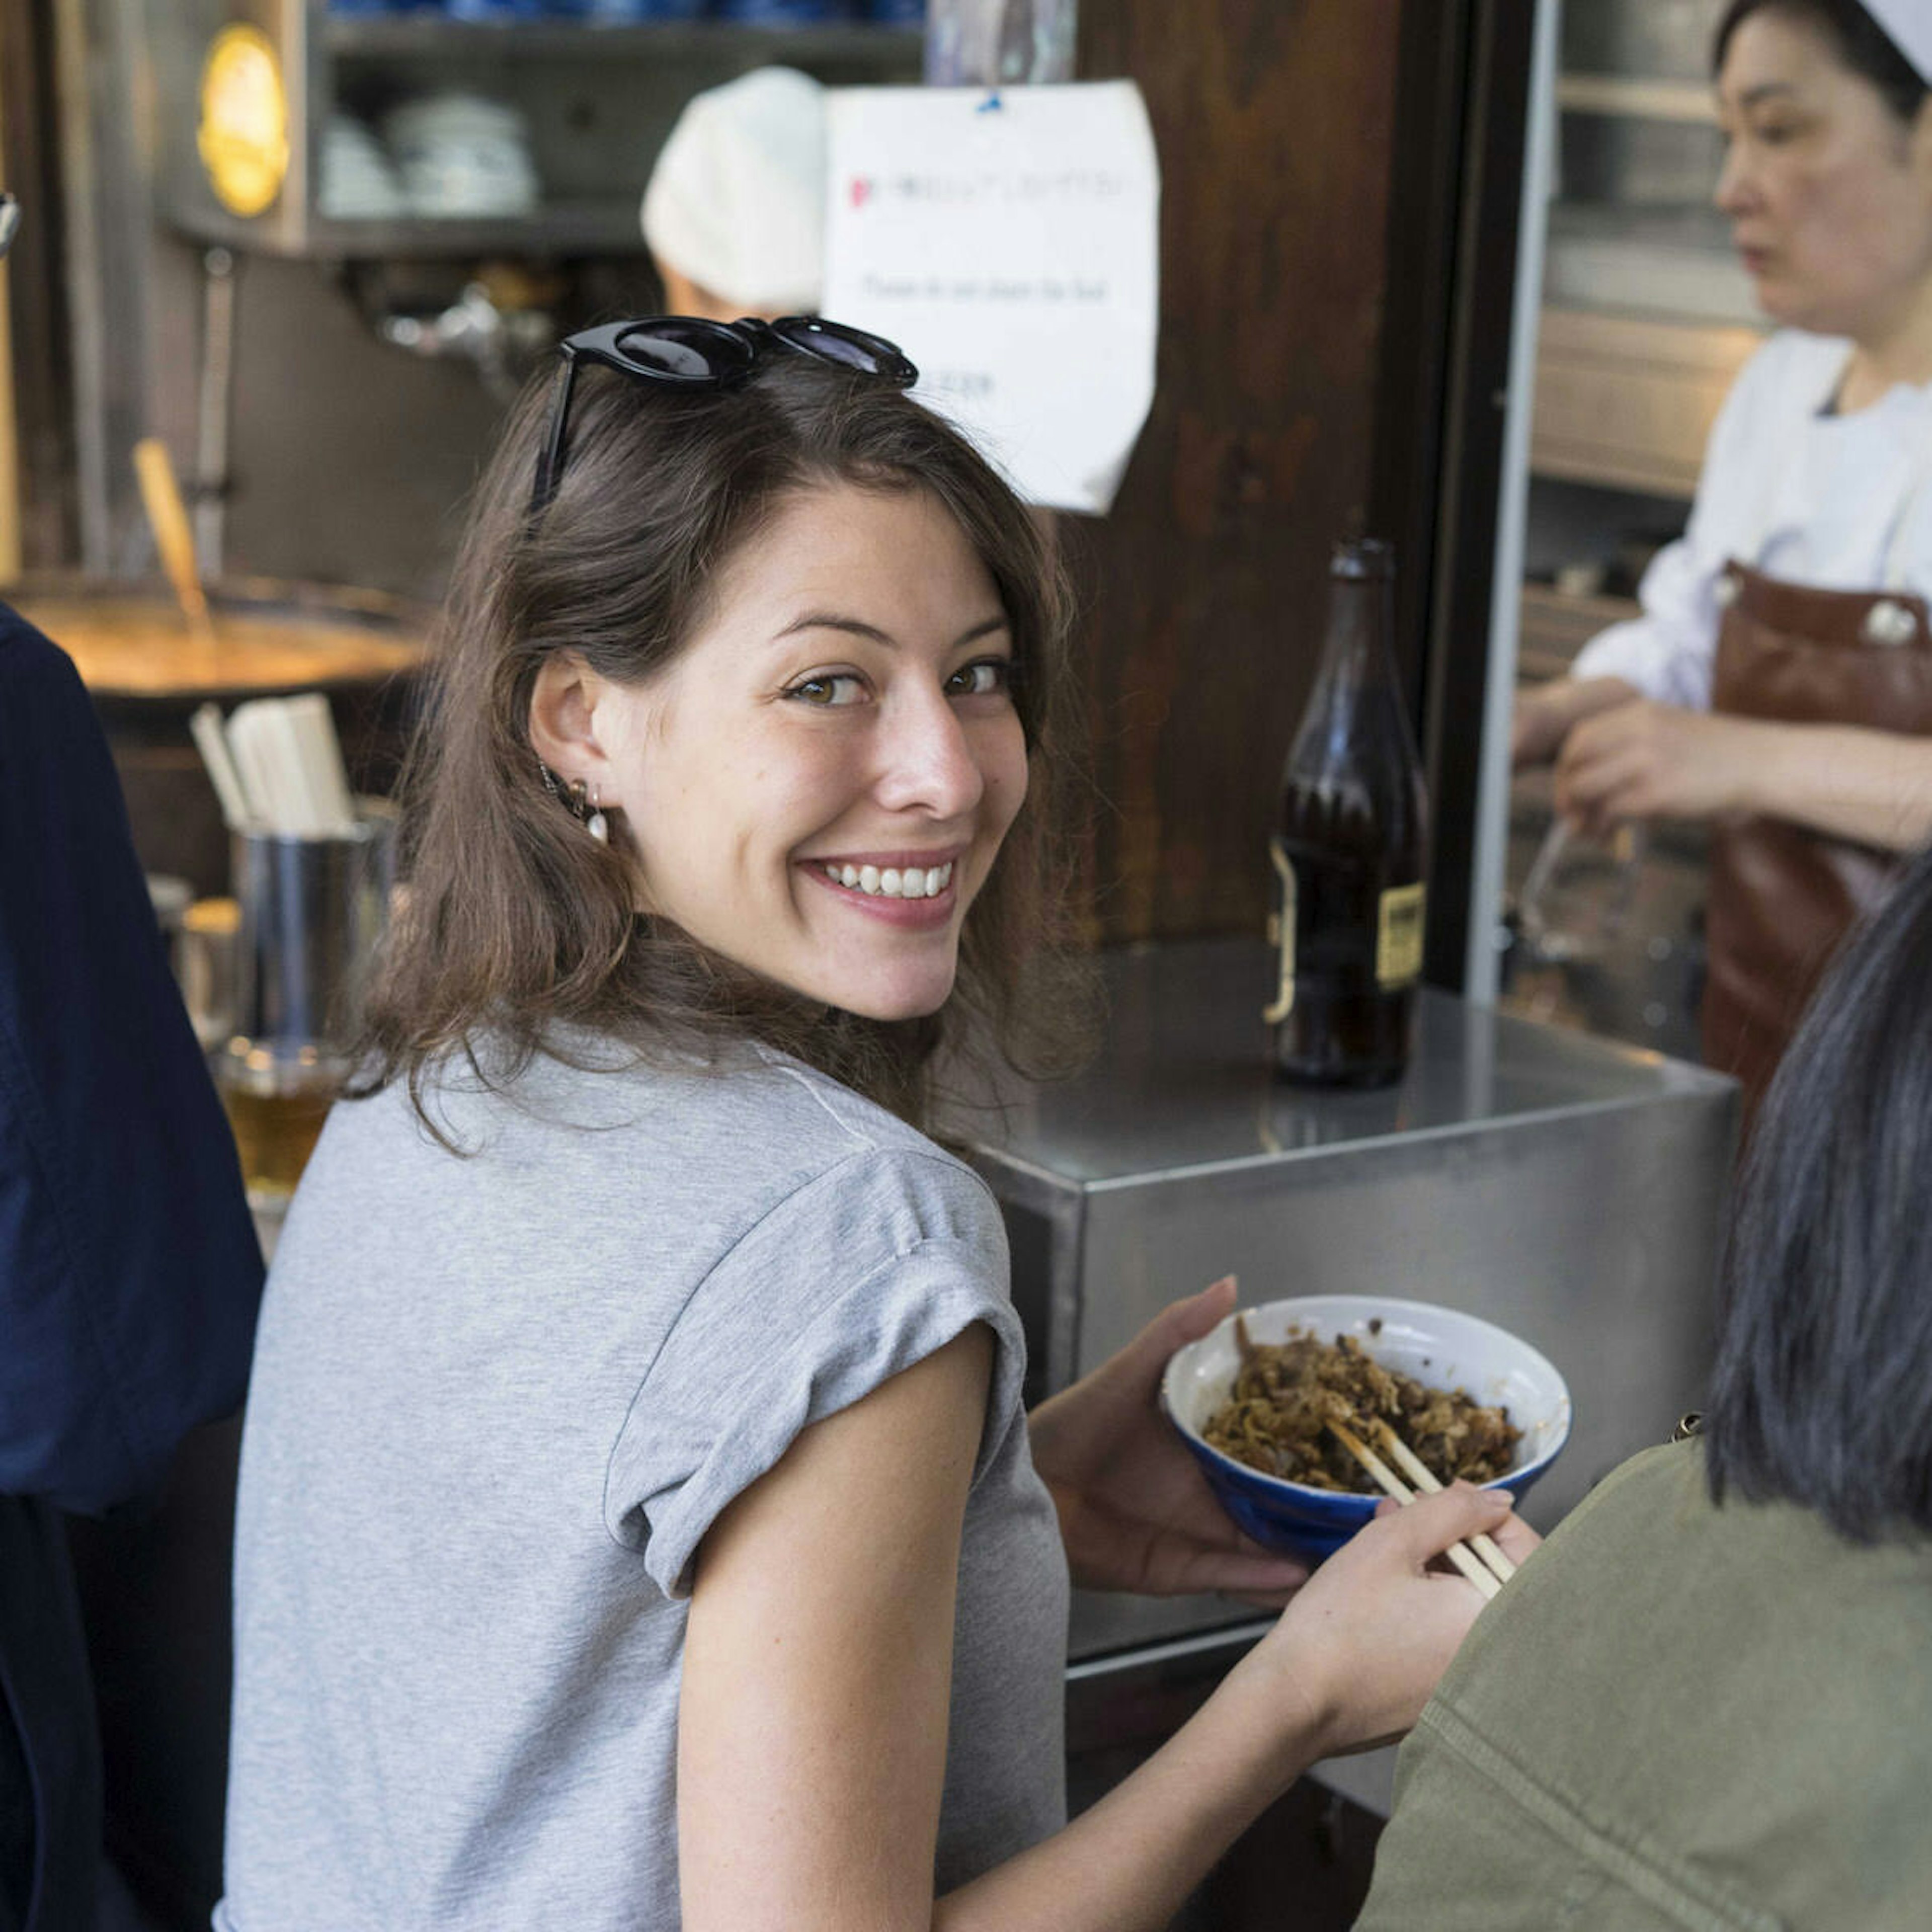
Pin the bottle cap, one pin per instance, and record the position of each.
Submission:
(1362, 556)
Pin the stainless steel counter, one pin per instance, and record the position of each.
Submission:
(1566, 1188)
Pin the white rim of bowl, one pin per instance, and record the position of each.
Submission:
(1381, 1304)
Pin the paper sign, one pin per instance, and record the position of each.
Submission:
(1009, 243)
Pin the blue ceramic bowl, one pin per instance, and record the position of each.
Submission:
(1439, 1346)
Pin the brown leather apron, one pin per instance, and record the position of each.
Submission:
(1781, 898)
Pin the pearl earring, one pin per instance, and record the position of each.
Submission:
(597, 825)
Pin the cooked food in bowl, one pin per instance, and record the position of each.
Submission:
(1422, 1342)
(1284, 1395)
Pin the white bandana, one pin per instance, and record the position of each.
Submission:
(1908, 23)
(736, 200)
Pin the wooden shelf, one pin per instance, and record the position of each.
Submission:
(1554, 626)
(1636, 100)
(1628, 402)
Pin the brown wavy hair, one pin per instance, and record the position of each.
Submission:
(514, 921)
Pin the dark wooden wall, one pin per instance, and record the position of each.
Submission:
(42, 371)
(1204, 588)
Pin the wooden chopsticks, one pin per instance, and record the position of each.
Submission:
(1470, 1557)
(1485, 1546)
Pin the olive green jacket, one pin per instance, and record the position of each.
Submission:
(1677, 1716)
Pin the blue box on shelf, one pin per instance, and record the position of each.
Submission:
(493, 10)
(628, 12)
(782, 13)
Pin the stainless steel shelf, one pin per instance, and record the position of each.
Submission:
(563, 228)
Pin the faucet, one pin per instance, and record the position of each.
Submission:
(474, 329)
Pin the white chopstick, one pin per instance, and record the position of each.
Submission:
(1464, 1559)
(205, 728)
(252, 760)
(300, 809)
(319, 755)
(1418, 1472)
(287, 757)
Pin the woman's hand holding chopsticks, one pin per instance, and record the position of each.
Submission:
(1473, 1558)
(1368, 1635)
(1500, 1566)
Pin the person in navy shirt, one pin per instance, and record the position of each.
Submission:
(130, 1271)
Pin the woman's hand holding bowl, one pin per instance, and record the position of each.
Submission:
(1135, 1513)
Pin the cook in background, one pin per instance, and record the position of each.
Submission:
(1779, 682)
(129, 1268)
(638, 1525)
(734, 214)
(1708, 1701)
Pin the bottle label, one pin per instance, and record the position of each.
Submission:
(1398, 937)
(1281, 935)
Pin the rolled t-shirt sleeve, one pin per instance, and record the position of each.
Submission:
(867, 1268)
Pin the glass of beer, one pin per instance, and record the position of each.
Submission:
(276, 1111)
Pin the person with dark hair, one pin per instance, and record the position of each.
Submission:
(638, 1525)
(1708, 1701)
(1778, 683)
(129, 1268)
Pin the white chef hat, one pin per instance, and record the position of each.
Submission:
(1908, 24)
(737, 200)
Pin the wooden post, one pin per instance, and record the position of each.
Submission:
(1204, 587)
(10, 442)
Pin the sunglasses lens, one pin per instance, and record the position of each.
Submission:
(836, 349)
(685, 352)
(850, 348)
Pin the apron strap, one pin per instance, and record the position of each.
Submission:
(1892, 577)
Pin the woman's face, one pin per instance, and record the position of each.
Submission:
(1829, 198)
(817, 785)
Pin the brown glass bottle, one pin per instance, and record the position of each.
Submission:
(1349, 850)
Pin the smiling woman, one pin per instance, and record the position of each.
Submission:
(783, 619)
(817, 786)
(638, 1523)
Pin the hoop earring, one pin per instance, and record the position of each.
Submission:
(597, 825)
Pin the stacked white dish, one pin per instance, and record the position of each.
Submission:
(357, 179)
(461, 155)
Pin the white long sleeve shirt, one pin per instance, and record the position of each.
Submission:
(1839, 502)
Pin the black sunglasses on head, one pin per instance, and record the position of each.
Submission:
(688, 352)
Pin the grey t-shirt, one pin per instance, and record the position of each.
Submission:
(497, 1402)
